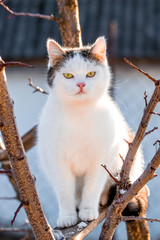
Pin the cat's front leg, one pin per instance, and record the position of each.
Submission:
(93, 187)
(65, 191)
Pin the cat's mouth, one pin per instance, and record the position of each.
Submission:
(81, 92)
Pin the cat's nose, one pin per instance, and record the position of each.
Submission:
(81, 85)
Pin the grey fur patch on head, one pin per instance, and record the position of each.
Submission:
(69, 53)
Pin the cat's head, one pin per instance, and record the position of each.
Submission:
(78, 74)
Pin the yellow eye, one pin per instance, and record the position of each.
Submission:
(68, 75)
(90, 74)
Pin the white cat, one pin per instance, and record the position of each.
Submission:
(81, 128)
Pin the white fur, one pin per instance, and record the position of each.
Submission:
(76, 134)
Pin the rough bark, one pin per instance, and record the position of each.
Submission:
(69, 23)
(19, 165)
(121, 200)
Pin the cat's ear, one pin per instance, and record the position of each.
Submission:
(55, 51)
(98, 49)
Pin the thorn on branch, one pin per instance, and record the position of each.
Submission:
(155, 128)
(127, 142)
(37, 89)
(138, 69)
(145, 99)
(121, 158)
(158, 114)
(17, 211)
(110, 174)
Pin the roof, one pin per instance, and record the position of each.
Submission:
(138, 27)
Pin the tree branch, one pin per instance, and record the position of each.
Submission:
(131, 218)
(20, 168)
(121, 200)
(37, 89)
(36, 15)
(110, 174)
(140, 70)
(133, 147)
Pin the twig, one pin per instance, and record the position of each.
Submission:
(14, 63)
(5, 171)
(36, 15)
(126, 141)
(37, 89)
(145, 99)
(8, 198)
(16, 212)
(158, 141)
(121, 158)
(155, 128)
(158, 114)
(130, 218)
(110, 174)
(15, 230)
(140, 70)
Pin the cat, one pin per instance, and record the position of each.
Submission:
(81, 128)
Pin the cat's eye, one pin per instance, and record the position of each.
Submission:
(68, 75)
(90, 74)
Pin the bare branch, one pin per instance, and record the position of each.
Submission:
(155, 128)
(133, 147)
(72, 233)
(110, 174)
(15, 230)
(158, 141)
(6, 171)
(37, 89)
(145, 98)
(8, 198)
(158, 114)
(146, 74)
(13, 64)
(17, 211)
(20, 168)
(131, 218)
(36, 15)
(121, 158)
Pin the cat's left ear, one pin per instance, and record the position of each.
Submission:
(98, 49)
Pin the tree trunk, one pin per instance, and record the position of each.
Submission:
(69, 23)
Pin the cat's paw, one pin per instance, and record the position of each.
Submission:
(67, 220)
(88, 214)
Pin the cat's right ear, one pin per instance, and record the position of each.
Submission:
(55, 51)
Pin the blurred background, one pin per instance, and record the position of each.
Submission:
(132, 30)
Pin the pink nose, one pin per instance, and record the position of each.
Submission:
(81, 85)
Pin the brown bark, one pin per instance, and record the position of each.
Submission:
(121, 200)
(18, 160)
(69, 23)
